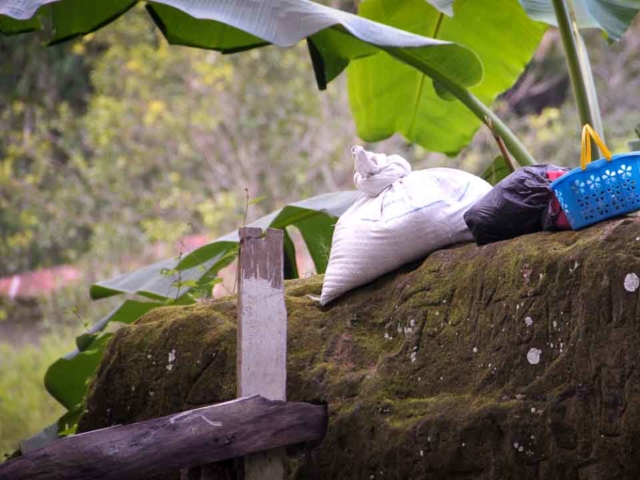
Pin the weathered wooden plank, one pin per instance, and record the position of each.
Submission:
(262, 335)
(183, 440)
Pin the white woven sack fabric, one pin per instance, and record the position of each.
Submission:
(401, 216)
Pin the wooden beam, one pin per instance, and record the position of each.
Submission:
(195, 437)
(262, 335)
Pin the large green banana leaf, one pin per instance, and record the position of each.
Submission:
(11, 26)
(610, 16)
(66, 379)
(70, 19)
(387, 97)
(234, 25)
(167, 279)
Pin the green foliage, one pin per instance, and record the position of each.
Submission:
(314, 217)
(164, 280)
(497, 171)
(336, 38)
(24, 405)
(66, 378)
(210, 25)
(11, 26)
(611, 16)
(387, 97)
(42, 206)
(72, 20)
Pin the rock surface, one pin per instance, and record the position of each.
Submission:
(516, 360)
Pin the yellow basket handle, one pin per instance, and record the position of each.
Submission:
(589, 133)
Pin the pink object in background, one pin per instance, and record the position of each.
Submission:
(38, 282)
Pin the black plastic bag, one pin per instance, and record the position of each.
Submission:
(517, 205)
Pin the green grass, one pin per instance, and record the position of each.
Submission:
(25, 406)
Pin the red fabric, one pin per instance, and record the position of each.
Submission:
(561, 222)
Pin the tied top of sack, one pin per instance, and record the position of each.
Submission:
(374, 172)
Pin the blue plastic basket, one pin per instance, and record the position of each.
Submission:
(605, 189)
(602, 189)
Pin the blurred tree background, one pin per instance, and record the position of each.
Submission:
(118, 141)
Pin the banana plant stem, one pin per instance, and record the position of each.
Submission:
(480, 110)
(474, 104)
(578, 83)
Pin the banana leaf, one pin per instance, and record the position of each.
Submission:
(611, 16)
(236, 25)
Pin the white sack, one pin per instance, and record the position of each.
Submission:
(401, 216)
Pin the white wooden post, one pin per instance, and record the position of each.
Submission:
(262, 342)
(262, 335)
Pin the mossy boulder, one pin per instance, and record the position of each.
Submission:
(516, 360)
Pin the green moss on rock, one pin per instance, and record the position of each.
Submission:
(426, 370)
